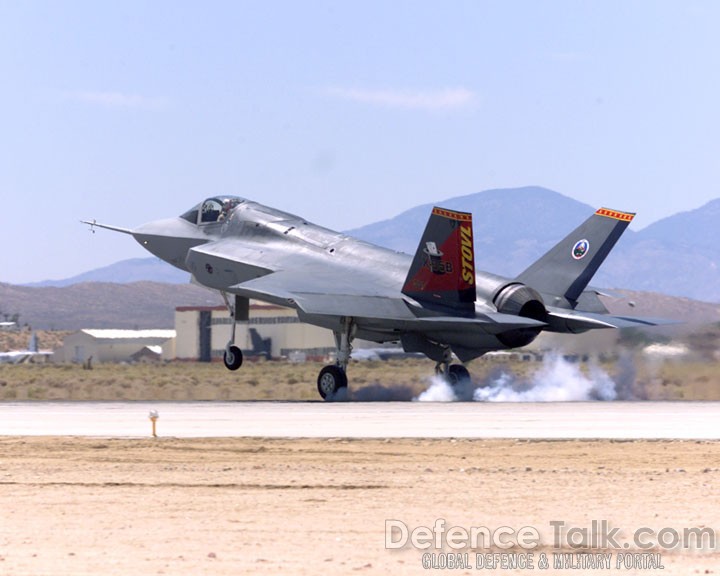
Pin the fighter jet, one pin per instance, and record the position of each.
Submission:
(435, 303)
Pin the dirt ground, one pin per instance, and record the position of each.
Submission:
(261, 506)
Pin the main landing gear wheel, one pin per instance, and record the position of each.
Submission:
(456, 374)
(233, 358)
(330, 380)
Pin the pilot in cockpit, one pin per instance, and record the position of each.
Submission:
(227, 206)
(213, 210)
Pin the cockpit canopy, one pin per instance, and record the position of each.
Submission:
(216, 209)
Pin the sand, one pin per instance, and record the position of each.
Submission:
(298, 506)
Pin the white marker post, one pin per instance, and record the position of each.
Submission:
(153, 418)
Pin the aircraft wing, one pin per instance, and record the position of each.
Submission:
(331, 292)
(324, 291)
(315, 287)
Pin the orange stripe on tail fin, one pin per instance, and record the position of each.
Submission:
(622, 216)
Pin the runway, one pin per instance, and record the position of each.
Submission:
(547, 420)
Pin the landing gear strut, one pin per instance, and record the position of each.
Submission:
(442, 368)
(334, 377)
(233, 356)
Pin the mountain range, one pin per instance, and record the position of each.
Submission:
(676, 256)
(124, 272)
(132, 306)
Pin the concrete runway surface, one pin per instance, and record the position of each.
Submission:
(548, 420)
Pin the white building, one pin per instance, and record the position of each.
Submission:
(115, 345)
(272, 331)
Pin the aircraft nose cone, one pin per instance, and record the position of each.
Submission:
(169, 240)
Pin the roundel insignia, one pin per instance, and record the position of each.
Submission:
(580, 249)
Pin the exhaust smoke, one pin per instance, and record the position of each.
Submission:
(557, 380)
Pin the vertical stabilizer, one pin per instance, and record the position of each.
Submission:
(33, 344)
(568, 267)
(442, 273)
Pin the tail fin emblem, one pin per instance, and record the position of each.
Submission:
(580, 249)
(434, 259)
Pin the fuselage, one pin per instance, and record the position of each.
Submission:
(277, 239)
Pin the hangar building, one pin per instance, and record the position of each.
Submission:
(117, 346)
(271, 331)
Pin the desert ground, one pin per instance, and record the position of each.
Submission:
(74, 506)
(634, 377)
(267, 506)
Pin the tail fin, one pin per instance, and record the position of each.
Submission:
(568, 267)
(442, 274)
(33, 343)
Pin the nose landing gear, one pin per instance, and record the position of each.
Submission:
(233, 356)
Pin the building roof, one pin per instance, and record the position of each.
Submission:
(130, 334)
(254, 305)
(151, 349)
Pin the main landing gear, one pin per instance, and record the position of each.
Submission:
(454, 374)
(333, 378)
(233, 356)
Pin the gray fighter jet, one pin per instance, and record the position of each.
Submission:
(436, 302)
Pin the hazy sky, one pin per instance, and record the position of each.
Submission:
(343, 112)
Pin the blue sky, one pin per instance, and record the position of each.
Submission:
(343, 112)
